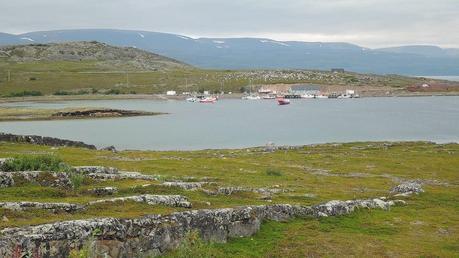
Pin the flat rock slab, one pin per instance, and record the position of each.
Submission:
(19, 206)
(168, 200)
(186, 185)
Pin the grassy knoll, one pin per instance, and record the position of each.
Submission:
(427, 226)
(86, 77)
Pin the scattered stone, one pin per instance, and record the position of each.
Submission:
(266, 193)
(6, 179)
(122, 175)
(156, 234)
(186, 185)
(168, 200)
(407, 188)
(54, 207)
(104, 191)
(43, 178)
(95, 170)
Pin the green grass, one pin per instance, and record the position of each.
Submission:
(426, 226)
(87, 77)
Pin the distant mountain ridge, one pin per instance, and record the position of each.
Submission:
(261, 53)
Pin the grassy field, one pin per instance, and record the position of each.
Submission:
(425, 227)
(87, 77)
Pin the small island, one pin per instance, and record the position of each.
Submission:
(30, 114)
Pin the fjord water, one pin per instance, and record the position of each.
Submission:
(235, 123)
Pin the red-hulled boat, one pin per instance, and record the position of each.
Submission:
(283, 101)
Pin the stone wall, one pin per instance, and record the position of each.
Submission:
(156, 234)
(41, 140)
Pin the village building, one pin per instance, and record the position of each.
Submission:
(305, 89)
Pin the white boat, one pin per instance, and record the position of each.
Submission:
(208, 100)
(321, 97)
(192, 99)
(251, 97)
(268, 96)
(307, 96)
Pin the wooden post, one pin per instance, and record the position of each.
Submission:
(127, 79)
(9, 75)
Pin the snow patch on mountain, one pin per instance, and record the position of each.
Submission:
(183, 37)
(275, 42)
(29, 39)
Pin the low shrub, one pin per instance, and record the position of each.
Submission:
(33, 163)
(273, 172)
(25, 93)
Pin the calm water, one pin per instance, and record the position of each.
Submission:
(449, 78)
(237, 123)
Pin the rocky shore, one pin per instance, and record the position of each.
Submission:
(43, 140)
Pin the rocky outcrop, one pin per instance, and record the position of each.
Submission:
(43, 178)
(6, 179)
(109, 173)
(156, 234)
(229, 190)
(407, 188)
(186, 185)
(54, 207)
(41, 140)
(95, 170)
(104, 191)
(150, 199)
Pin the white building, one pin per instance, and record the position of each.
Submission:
(171, 93)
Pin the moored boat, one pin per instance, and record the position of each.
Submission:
(208, 100)
(283, 101)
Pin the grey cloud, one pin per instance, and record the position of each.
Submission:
(366, 22)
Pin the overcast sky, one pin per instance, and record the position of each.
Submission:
(370, 23)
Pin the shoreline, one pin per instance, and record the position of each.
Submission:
(52, 98)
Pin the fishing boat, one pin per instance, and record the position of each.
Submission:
(208, 100)
(268, 96)
(283, 101)
(251, 97)
(321, 97)
(307, 96)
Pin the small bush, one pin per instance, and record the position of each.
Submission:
(76, 179)
(273, 172)
(33, 163)
(25, 93)
(193, 246)
(113, 92)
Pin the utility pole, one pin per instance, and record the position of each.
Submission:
(127, 79)
(9, 75)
